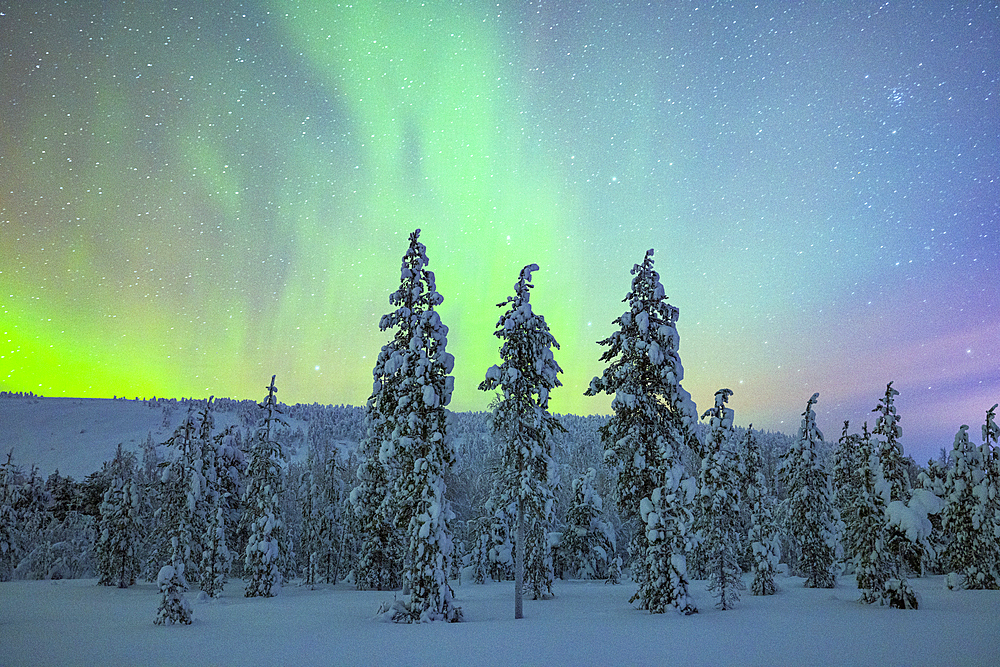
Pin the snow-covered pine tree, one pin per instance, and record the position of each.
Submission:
(719, 498)
(417, 367)
(588, 542)
(652, 417)
(763, 534)
(809, 512)
(265, 551)
(120, 531)
(521, 420)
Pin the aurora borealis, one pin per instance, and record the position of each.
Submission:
(195, 196)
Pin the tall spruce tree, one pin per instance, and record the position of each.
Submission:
(901, 552)
(521, 420)
(8, 519)
(178, 501)
(120, 531)
(970, 512)
(179, 498)
(989, 504)
(412, 389)
(262, 516)
(719, 499)
(848, 459)
(310, 492)
(216, 558)
(809, 512)
(958, 518)
(321, 499)
(379, 565)
(230, 466)
(653, 417)
(886, 437)
(763, 534)
(866, 532)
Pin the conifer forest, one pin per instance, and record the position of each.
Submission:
(403, 495)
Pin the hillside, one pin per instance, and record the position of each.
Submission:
(75, 435)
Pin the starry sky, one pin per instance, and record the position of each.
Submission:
(195, 196)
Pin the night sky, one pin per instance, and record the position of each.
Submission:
(195, 196)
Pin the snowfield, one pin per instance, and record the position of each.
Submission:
(76, 622)
(76, 435)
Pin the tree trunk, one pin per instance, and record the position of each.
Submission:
(519, 561)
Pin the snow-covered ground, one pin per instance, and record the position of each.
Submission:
(587, 623)
(76, 435)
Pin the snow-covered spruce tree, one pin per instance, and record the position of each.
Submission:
(379, 565)
(809, 512)
(886, 437)
(988, 494)
(970, 512)
(380, 557)
(174, 607)
(418, 366)
(120, 531)
(321, 498)
(847, 463)
(652, 417)
(311, 512)
(521, 420)
(495, 549)
(719, 499)
(901, 553)
(959, 519)
(8, 519)
(932, 480)
(478, 557)
(176, 514)
(265, 552)
(216, 558)
(763, 533)
(866, 532)
(230, 468)
(330, 535)
(588, 542)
